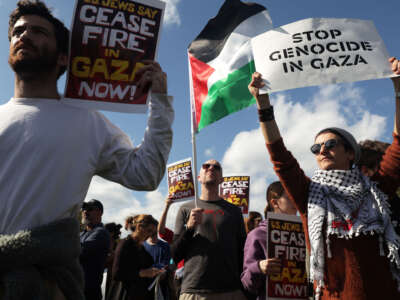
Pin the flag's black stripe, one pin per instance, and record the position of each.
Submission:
(211, 40)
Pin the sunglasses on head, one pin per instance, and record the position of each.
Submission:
(207, 166)
(329, 144)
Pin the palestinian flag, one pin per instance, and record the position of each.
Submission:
(221, 61)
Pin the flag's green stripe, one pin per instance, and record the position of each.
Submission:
(227, 96)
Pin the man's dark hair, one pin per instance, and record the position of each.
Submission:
(38, 8)
(114, 229)
(372, 153)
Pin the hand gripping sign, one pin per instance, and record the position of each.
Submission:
(320, 51)
(180, 180)
(286, 240)
(236, 190)
(109, 39)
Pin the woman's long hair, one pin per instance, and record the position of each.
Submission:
(274, 191)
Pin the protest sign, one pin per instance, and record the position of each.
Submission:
(109, 39)
(320, 51)
(286, 240)
(180, 180)
(236, 190)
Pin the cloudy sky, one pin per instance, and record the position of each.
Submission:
(364, 108)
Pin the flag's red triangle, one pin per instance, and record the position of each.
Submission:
(200, 74)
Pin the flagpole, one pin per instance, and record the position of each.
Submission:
(194, 149)
(194, 154)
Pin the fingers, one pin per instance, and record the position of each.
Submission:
(154, 272)
(274, 262)
(197, 214)
(149, 273)
(271, 266)
(195, 218)
(256, 80)
(274, 266)
(395, 65)
(255, 84)
(148, 66)
(169, 200)
(151, 75)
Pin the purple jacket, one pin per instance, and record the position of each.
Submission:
(255, 249)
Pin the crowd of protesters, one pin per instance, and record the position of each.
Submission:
(139, 263)
(349, 208)
(202, 252)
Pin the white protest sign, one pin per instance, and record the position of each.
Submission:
(320, 51)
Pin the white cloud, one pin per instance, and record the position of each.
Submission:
(120, 202)
(209, 152)
(171, 14)
(334, 105)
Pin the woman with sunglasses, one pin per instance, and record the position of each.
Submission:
(345, 215)
(132, 269)
(256, 265)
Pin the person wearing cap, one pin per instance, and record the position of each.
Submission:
(95, 245)
(346, 215)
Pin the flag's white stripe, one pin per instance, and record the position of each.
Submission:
(237, 49)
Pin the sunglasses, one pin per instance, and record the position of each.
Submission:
(207, 166)
(329, 144)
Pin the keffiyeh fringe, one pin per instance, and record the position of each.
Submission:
(349, 204)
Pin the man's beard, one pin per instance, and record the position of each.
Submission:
(42, 63)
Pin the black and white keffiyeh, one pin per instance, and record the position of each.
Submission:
(346, 204)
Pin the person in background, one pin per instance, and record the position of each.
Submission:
(115, 233)
(252, 221)
(161, 253)
(256, 265)
(158, 249)
(371, 155)
(165, 233)
(133, 270)
(176, 274)
(95, 245)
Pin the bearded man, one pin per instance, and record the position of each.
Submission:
(49, 152)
